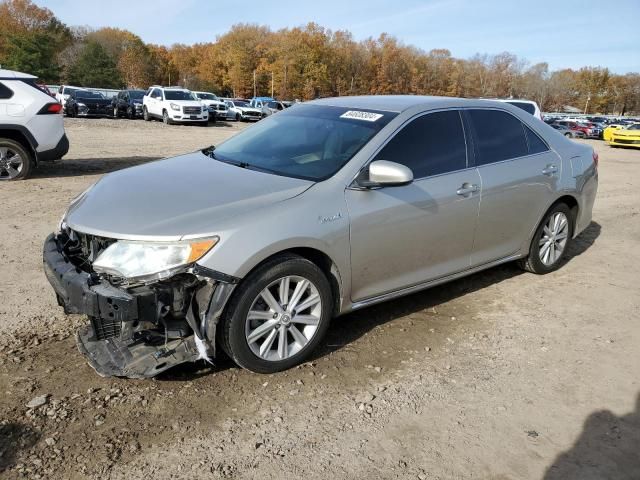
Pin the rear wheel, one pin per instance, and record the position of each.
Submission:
(277, 316)
(550, 242)
(15, 160)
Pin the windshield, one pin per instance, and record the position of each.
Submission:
(240, 104)
(527, 107)
(309, 141)
(178, 95)
(635, 126)
(136, 94)
(80, 94)
(207, 96)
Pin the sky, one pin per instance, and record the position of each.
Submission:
(565, 34)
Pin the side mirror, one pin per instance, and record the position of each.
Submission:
(383, 173)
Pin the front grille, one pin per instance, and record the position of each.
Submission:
(192, 110)
(105, 328)
(626, 142)
(252, 114)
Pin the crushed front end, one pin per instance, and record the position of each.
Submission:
(136, 329)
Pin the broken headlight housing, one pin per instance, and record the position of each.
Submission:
(150, 261)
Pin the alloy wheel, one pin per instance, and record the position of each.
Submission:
(283, 318)
(554, 238)
(11, 163)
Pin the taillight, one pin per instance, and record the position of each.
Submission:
(50, 109)
(595, 158)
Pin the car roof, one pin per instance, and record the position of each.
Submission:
(400, 103)
(14, 74)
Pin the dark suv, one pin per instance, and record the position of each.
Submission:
(129, 103)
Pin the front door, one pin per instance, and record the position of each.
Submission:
(407, 235)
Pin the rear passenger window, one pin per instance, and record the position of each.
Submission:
(536, 145)
(5, 92)
(499, 136)
(429, 145)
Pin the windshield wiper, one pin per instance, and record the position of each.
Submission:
(209, 151)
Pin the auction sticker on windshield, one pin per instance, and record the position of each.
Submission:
(366, 116)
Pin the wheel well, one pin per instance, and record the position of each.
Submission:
(17, 136)
(322, 261)
(570, 202)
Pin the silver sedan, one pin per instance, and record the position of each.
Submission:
(253, 245)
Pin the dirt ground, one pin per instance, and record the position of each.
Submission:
(502, 375)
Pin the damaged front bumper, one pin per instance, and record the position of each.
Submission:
(139, 331)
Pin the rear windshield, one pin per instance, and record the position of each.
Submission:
(311, 142)
(527, 107)
(178, 95)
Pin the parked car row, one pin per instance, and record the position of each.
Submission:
(617, 132)
(169, 104)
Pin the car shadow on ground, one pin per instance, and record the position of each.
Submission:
(347, 329)
(15, 437)
(607, 448)
(86, 166)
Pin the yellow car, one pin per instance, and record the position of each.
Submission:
(628, 136)
(606, 133)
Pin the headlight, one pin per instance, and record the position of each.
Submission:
(81, 105)
(174, 106)
(150, 260)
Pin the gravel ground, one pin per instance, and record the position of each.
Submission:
(502, 375)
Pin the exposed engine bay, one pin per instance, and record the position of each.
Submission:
(135, 329)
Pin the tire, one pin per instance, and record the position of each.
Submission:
(235, 329)
(115, 112)
(9, 164)
(568, 135)
(165, 118)
(540, 260)
(130, 114)
(238, 117)
(205, 123)
(145, 114)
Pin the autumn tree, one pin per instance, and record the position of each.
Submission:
(95, 68)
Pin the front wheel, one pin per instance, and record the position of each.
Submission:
(145, 114)
(130, 114)
(568, 135)
(277, 316)
(238, 117)
(550, 242)
(165, 117)
(15, 160)
(115, 112)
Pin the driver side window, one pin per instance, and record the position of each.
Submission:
(431, 144)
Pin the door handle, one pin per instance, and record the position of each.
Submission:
(550, 170)
(467, 189)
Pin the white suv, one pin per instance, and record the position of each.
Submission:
(174, 105)
(31, 126)
(217, 108)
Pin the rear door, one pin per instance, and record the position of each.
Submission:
(519, 177)
(406, 235)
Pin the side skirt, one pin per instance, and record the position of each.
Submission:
(432, 283)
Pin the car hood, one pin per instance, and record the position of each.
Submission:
(626, 133)
(94, 101)
(212, 102)
(185, 196)
(248, 109)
